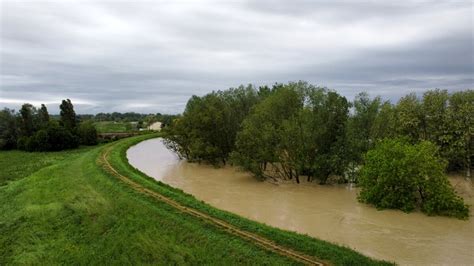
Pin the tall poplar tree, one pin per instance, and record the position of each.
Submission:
(68, 116)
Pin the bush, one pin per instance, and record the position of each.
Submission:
(399, 175)
(53, 138)
(87, 133)
(60, 138)
(23, 142)
(39, 141)
(441, 199)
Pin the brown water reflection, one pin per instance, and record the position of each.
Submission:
(331, 213)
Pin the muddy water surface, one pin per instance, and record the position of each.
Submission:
(330, 213)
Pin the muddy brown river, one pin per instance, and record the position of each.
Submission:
(329, 212)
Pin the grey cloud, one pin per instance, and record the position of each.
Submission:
(152, 56)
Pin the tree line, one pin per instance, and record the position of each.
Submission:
(33, 129)
(297, 130)
(147, 119)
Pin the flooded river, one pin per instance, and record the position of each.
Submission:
(330, 212)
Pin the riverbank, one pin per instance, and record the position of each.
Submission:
(72, 211)
(329, 212)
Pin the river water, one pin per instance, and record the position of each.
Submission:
(329, 212)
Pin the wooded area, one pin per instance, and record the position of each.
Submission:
(33, 129)
(305, 130)
(296, 130)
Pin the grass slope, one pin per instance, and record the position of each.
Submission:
(72, 212)
(18, 164)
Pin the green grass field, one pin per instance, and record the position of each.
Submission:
(113, 127)
(63, 208)
(18, 164)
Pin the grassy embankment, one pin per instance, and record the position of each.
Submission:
(67, 209)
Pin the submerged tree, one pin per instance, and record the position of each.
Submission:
(361, 125)
(208, 127)
(297, 130)
(461, 119)
(400, 175)
(259, 141)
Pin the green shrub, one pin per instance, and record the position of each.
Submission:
(40, 141)
(398, 175)
(87, 133)
(441, 199)
(23, 142)
(60, 138)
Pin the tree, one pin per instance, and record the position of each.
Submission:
(27, 113)
(360, 127)
(331, 156)
(209, 125)
(87, 133)
(40, 141)
(68, 116)
(400, 175)
(9, 130)
(43, 116)
(410, 118)
(436, 120)
(259, 142)
(297, 130)
(60, 138)
(33, 130)
(385, 123)
(461, 143)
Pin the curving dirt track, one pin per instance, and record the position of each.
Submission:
(252, 237)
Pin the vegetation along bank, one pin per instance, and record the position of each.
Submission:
(71, 209)
(297, 130)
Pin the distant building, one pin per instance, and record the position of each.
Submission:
(155, 126)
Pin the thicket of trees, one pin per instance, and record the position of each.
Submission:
(296, 129)
(399, 175)
(209, 125)
(444, 119)
(33, 129)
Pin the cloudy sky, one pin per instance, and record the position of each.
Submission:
(152, 56)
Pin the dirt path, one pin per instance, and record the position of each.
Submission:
(254, 238)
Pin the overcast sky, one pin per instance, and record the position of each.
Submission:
(152, 56)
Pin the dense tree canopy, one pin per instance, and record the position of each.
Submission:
(296, 129)
(400, 175)
(361, 127)
(207, 129)
(87, 133)
(441, 118)
(9, 129)
(33, 130)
